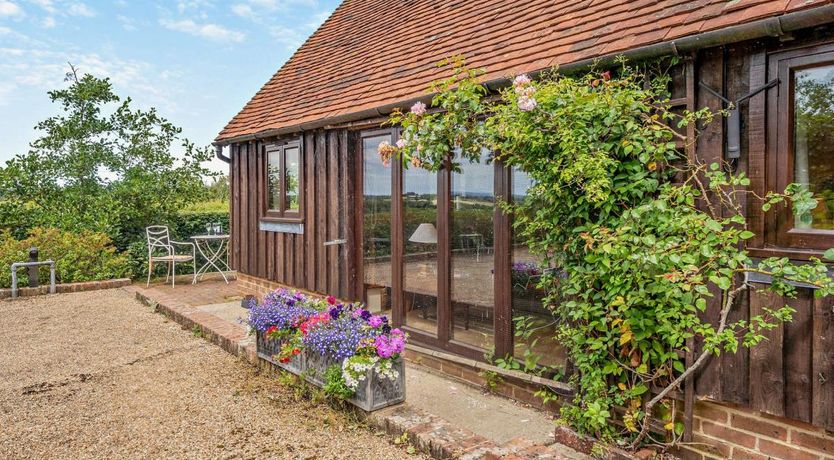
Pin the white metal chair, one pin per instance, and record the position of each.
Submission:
(161, 249)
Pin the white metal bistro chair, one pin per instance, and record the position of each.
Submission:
(161, 249)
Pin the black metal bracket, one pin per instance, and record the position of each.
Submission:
(734, 119)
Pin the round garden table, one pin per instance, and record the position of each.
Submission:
(213, 250)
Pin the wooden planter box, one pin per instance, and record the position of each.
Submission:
(268, 348)
(374, 392)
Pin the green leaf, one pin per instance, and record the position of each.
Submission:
(829, 254)
(746, 235)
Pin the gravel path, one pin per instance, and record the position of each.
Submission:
(98, 375)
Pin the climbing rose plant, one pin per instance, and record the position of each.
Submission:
(640, 258)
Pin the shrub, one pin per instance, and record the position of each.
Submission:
(84, 256)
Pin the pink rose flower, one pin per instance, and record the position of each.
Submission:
(521, 80)
(526, 104)
(418, 109)
(401, 143)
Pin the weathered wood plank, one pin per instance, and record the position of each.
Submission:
(243, 265)
(798, 385)
(710, 148)
(260, 157)
(767, 393)
(321, 212)
(333, 196)
(352, 248)
(822, 376)
(310, 216)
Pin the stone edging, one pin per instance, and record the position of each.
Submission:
(66, 287)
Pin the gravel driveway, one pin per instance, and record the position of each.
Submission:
(98, 375)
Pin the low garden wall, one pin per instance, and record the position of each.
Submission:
(66, 287)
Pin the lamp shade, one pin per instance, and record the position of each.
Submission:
(425, 233)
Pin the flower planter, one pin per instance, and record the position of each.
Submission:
(268, 348)
(376, 392)
(316, 365)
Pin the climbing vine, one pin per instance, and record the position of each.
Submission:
(639, 236)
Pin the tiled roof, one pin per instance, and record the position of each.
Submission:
(371, 53)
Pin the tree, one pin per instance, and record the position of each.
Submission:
(103, 165)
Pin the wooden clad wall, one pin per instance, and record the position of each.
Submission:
(791, 374)
(299, 260)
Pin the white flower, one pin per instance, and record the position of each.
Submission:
(401, 143)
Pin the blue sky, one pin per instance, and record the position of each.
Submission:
(198, 62)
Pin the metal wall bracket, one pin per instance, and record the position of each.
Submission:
(734, 119)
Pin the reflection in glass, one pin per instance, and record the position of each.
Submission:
(533, 323)
(273, 164)
(472, 226)
(814, 143)
(291, 160)
(376, 233)
(420, 249)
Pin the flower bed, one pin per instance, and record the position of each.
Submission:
(343, 348)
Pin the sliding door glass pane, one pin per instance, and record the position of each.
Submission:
(531, 317)
(472, 227)
(376, 233)
(814, 143)
(420, 249)
(291, 161)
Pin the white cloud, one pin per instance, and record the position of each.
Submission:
(210, 31)
(48, 22)
(243, 10)
(80, 9)
(127, 23)
(10, 9)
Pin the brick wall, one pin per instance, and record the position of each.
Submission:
(67, 287)
(722, 431)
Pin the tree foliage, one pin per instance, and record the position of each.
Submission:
(102, 165)
(638, 237)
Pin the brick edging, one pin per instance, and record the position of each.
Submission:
(67, 287)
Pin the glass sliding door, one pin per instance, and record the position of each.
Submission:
(420, 249)
(377, 251)
(529, 312)
(472, 213)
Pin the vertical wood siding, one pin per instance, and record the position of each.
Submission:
(299, 260)
(791, 374)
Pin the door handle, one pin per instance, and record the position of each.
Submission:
(334, 242)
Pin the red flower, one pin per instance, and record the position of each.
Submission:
(284, 360)
(296, 351)
(271, 330)
(331, 300)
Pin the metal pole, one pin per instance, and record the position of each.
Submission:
(34, 277)
(14, 281)
(52, 277)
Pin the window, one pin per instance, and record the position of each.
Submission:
(801, 147)
(283, 170)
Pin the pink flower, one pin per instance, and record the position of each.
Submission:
(375, 321)
(416, 162)
(383, 147)
(521, 80)
(418, 109)
(401, 143)
(386, 163)
(331, 300)
(526, 103)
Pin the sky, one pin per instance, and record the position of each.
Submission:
(197, 61)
